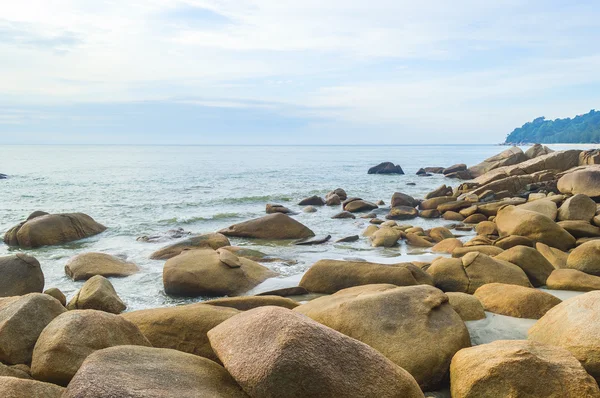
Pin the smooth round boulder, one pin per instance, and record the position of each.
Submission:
(447, 245)
(475, 218)
(97, 293)
(57, 294)
(12, 387)
(511, 220)
(52, 229)
(467, 306)
(580, 229)
(85, 265)
(577, 207)
(572, 279)
(181, 328)
(519, 368)
(20, 274)
(417, 240)
(312, 201)
(402, 213)
(276, 226)
(574, 325)
(535, 265)
(586, 258)
(271, 350)
(545, 207)
(271, 208)
(586, 181)
(485, 249)
(330, 276)
(213, 241)
(515, 301)
(438, 234)
(65, 343)
(359, 205)
(333, 200)
(22, 319)
(386, 168)
(486, 228)
(404, 200)
(510, 241)
(556, 257)
(385, 237)
(246, 303)
(452, 216)
(413, 326)
(202, 273)
(145, 372)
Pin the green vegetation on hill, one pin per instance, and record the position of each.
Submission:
(580, 129)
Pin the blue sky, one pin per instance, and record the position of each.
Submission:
(289, 72)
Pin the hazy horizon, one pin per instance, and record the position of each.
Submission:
(267, 72)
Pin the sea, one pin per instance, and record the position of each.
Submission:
(148, 190)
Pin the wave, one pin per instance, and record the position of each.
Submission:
(191, 220)
(252, 199)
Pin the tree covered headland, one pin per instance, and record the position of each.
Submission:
(580, 129)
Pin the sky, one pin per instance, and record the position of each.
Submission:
(292, 72)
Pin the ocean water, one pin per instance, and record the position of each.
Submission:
(148, 190)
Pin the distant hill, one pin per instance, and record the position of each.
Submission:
(582, 129)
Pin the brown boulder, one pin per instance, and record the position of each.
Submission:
(467, 306)
(516, 301)
(97, 294)
(333, 200)
(475, 219)
(269, 350)
(585, 181)
(21, 274)
(452, 216)
(580, 229)
(359, 205)
(271, 208)
(537, 150)
(447, 245)
(510, 241)
(245, 303)
(586, 258)
(442, 190)
(417, 240)
(401, 199)
(385, 237)
(440, 233)
(57, 294)
(578, 207)
(508, 157)
(535, 265)
(273, 226)
(485, 249)
(543, 206)
(456, 168)
(85, 265)
(572, 279)
(402, 213)
(433, 203)
(486, 228)
(312, 201)
(212, 240)
(556, 257)
(12, 387)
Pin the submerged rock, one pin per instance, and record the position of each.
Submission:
(317, 240)
(386, 168)
(20, 274)
(273, 226)
(271, 208)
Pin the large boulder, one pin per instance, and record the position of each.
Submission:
(182, 327)
(330, 276)
(144, 372)
(52, 229)
(20, 274)
(537, 150)
(556, 257)
(22, 319)
(204, 273)
(386, 168)
(572, 279)
(85, 265)
(514, 221)
(515, 301)
(580, 229)
(97, 294)
(473, 270)
(314, 200)
(385, 237)
(519, 368)
(467, 306)
(413, 326)
(12, 387)
(357, 205)
(535, 265)
(71, 337)
(574, 324)
(213, 241)
(577, 207)
(273, 226)
(402, 199)
(586, 258)
(508, 157)
(272, 351)
(543, 206)
(585, 181)
(402, 213)
(246, 303)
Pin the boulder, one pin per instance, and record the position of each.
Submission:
(415, 326)
(442, 190)
(537, 150)
(249, 302)
(270, 350)
(12, 387)
(286, 292)
(591, 156)
(339, 192)
(469, 211)
(97, 294)
(57, 294)
(433, 213)
(14, 371)
(434, 169)
(317, 240)
(454, 206)
(386, 168)
(586, 258)
(438, 234)
(370, 230)
(357, 205)
(402, 213)
(480, 240)
(572, 279)
(333, 200)
(535, 265)
(514, 221)
(22, 319)
(312, 201)
(519, 368)
(491, 209)
(447, 245)
(467, 306)
(508, 157)
(212, 240)
(452, 216)
(510, 241)
(65, 343)
(21, 274)
(417, 240)
(344, 214)
(250, 254)
(556, 257)
(145, 372)
(182, 327)
(330, 276)
(271, 208)
(577, 207)
(346, 239)
(472, 271)
(515, 301)
(485, 249)
(309, 209)
(455, 168)
(385, 237)
(574, 325)
(401, 199)
(580, 229)
(52, 229)
(85, 265)
(475, 219)
(202, 273)
(434, 203)
(486, 228)
(584, 181)
(273, 226)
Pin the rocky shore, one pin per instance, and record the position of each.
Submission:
(511, 230)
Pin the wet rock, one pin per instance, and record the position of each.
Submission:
(71, 337)
(271, 208)
(273, 226)
(312, 201)
(339, 192)
(85, 265)
(357, 205)
(12, 387)
(572, 279)
(578, 207)
(515, 301)
(330, 276)
(586, 258)
(145, 372)
(402, 213)
(386, 168)
(370, 230)
(317, 240)
(535, 265)
(467, 306)
(401, 199)
(97, 294)
(433, 213)
(250, 254)
(346, 239)
(417, 241)
(201, 273)
(414, 326)
(212, 240)
(333, 200)
(21, 274)
(269, 350)
(455, 168)
(511, 368)
(344, 214)
(385, 237)
(52, 229)
(176, 233)
(309, 209)
(434, 170)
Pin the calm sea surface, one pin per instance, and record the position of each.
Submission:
(148, 190)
